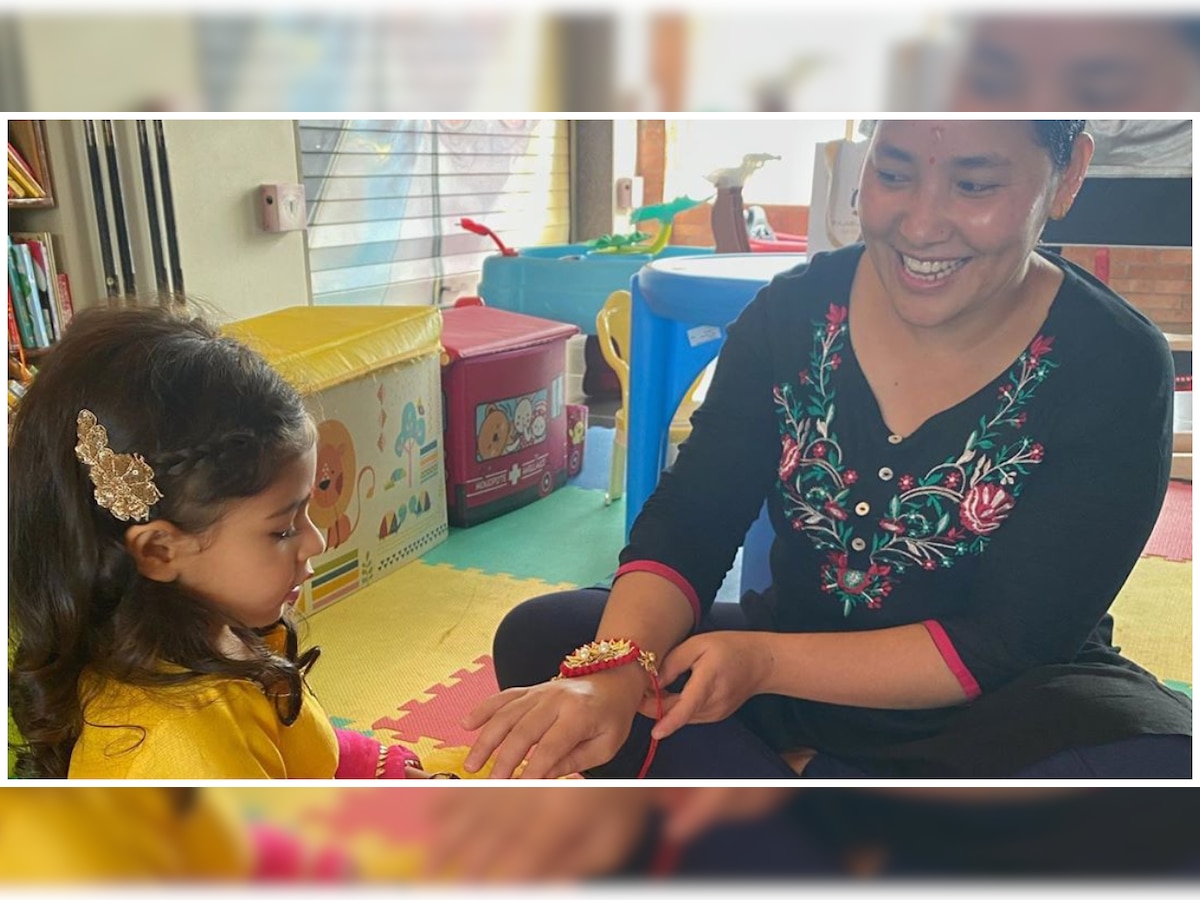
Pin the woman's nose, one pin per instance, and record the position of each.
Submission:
(926, 220)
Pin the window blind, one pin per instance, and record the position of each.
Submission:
(385, 198)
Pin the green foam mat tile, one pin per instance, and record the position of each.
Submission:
(568, 536)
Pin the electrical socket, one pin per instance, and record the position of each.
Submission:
(282, 207)
(628, 193)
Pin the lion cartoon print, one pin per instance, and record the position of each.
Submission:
(336, 486)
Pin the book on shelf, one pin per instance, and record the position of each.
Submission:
(42, 328)
(21, 171)
(54, 292)
(66, 305)
(20, 303)
(39, 250)
(14, 331)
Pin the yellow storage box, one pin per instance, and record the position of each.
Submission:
(370, 376)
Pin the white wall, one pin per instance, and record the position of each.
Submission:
(100, 62)
(216, 169)
(227, 259)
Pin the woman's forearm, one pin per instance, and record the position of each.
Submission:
(891, 668)
(647, 609)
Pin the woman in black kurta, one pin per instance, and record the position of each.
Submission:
(1003, 525)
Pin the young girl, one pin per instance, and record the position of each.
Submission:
(159, 477)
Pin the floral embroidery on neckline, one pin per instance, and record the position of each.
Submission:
(935, 519)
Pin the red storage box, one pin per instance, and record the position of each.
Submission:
(504, 386)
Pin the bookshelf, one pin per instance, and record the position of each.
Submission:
(37, 284)
(28, 137)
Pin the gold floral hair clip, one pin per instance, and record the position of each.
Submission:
(124, 481)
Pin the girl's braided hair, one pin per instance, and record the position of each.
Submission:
(216, 424)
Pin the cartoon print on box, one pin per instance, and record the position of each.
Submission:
(492, 433)
(576, 431)
(949, 512)
(409, 442)
(335, 486)
(419, 464)
(508, 426)
(522, 430)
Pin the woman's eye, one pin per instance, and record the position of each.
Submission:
(889, 177)
(975, 187)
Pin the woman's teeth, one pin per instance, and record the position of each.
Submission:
(931, 269)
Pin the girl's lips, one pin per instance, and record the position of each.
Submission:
(292, 596)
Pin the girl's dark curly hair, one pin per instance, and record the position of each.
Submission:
(216, 423)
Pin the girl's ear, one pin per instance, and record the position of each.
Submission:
(1072, 178)
(158, 548)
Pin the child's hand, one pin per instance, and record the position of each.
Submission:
(727, 669)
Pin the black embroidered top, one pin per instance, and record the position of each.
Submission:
(1006, 524)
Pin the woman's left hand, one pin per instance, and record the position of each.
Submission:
(727, 669)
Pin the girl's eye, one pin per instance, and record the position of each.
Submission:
(290, 533)
(889, 177)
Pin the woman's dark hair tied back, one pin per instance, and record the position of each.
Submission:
(1058, 137)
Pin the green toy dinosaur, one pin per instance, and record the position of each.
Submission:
(619, 243)
(664, 214)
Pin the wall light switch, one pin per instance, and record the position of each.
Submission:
(283, 207)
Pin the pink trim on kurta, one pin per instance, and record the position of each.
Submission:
(946, 647)
(657, 568)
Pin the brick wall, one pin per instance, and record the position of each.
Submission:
(1156, 281)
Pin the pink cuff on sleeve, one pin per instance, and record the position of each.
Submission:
(656, 568)
(946, 647)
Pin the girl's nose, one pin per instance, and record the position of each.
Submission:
(313, 543)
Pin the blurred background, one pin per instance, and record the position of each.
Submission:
(335, 837)
(911, 57)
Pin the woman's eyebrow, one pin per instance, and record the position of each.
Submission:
(1103, 67)
(982, 161)
(979, 161)
(891, 151)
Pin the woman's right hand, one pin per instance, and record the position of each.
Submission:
(574, 724)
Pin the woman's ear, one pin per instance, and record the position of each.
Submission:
(1072, 177)
(158, 548)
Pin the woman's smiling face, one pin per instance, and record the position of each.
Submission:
(951, 211)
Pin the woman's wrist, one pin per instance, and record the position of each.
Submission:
(630, 682)
(767, 648)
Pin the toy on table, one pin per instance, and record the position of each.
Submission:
(476, 228)
(635, 242)
(765, 239)
(664, 214)
(620, 243)
(728, 216)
